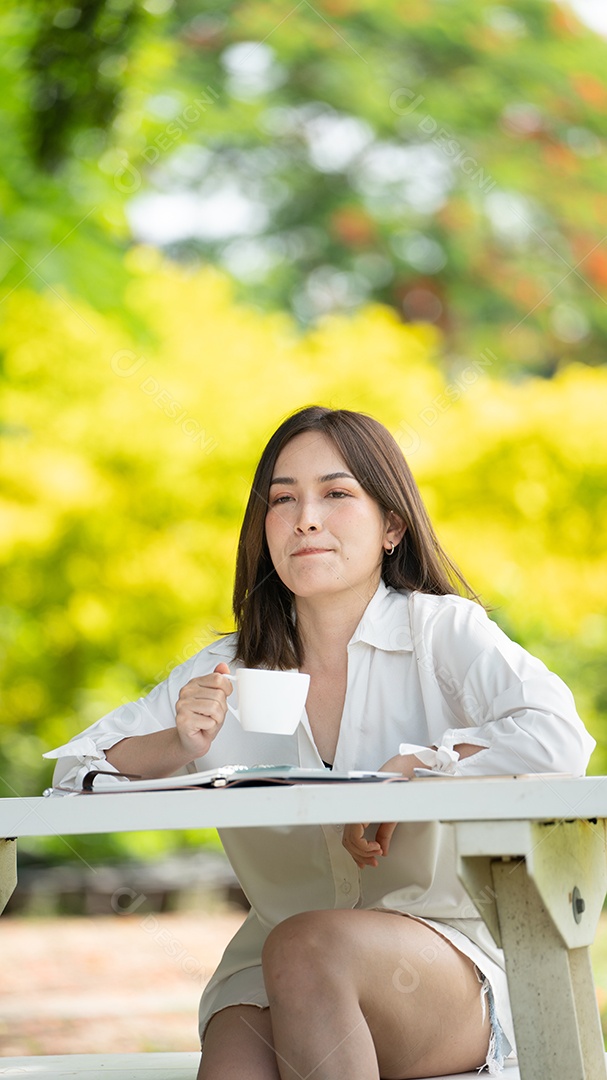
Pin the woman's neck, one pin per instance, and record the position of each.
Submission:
(326, 624)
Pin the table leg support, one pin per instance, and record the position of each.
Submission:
(558, 1035)
(588, 1017)
(8, 871)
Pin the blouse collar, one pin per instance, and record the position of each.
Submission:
(385, 623)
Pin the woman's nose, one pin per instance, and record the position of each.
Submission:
(308, 519)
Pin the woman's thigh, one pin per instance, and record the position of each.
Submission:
(420, 997)
(425, 1012)
(237, 1044)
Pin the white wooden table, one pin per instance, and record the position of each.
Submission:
(534, 849)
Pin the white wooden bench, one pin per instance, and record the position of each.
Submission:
(140, 1067)
(115, 1066)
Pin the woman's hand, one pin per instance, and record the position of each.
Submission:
(366, 852)
(201, 709)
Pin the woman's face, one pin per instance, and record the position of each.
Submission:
(325, 533)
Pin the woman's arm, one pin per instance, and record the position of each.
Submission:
(199, 715)
(154, 736)
(406, 763)
(161, 753)
(499, 696)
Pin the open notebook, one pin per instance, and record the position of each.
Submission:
(99, 781)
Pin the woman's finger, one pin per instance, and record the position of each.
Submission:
(363, 851)
(201, 708)
(384, 835)
(353, 833)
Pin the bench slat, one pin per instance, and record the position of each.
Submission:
(177, 1066)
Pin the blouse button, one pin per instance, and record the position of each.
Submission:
(346, 887)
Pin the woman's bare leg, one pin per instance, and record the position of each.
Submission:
(368, 994)
(238, 1045)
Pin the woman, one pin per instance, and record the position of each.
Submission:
(338, 973)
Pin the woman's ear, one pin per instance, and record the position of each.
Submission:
(396, 528)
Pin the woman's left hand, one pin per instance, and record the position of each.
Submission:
(366, 852)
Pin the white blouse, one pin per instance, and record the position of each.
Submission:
(431, 670)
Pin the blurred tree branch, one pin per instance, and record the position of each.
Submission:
(77, 58)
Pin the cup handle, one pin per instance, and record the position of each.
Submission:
(232, 708)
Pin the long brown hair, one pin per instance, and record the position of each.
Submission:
(262, 604)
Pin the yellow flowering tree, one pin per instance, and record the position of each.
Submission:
(127, 459)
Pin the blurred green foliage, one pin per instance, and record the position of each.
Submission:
(446, 159)
(374, 271)
(443, 158)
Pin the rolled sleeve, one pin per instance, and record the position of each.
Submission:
(76, 758)
(525, 740)
(87, 750)
(506, 701)
(154, 712)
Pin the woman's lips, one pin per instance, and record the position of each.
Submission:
(312, 551)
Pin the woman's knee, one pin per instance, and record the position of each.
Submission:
(301, 952)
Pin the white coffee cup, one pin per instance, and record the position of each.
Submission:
(269, 701)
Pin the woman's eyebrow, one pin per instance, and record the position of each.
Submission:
(321, 479)
(336, 476)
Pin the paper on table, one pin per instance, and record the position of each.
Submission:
(420, 774)
(99, 782)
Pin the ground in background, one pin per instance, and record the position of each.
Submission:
(125, 983)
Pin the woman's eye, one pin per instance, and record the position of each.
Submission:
(280, 500)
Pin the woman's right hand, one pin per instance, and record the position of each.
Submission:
(201, 710)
